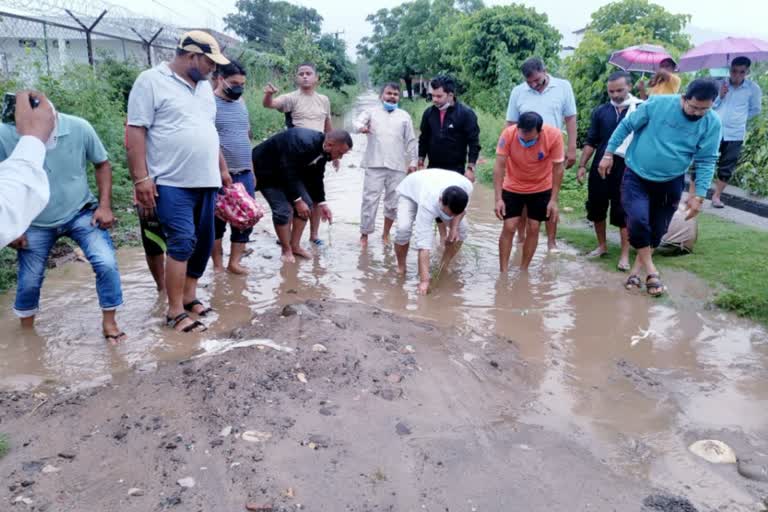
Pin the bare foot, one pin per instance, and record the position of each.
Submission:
(401, 271)
(112, 333)
(218, 268)
(364, 241)
(287, 257)
(236, 268)
(302, 253)
(385, 238)
(552, 247)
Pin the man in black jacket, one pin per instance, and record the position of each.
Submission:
(450, 136)
(289, 169)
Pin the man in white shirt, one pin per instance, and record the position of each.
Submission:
(390, 154)
(24, 188)
(425, 196)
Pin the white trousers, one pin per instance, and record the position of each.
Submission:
(379, 180)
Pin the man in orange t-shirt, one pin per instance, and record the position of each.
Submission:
(528, 172)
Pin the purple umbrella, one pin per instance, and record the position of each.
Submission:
(720, 53)
(644, 58)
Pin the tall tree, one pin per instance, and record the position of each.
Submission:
(267, 23)
(341, 69)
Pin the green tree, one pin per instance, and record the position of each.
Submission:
(300, 47)
(341, 69)
(268, 23)
(662, 25)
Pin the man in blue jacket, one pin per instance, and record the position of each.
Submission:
(670, 134)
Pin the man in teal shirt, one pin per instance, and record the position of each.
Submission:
(72, 212)
(670, 133)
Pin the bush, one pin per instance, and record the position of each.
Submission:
(752, 172)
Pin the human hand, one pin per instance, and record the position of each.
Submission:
(326, 214)
(421, 164)
(723, 90)
(302, 209)
(553, 212)
(270, 89)
(501, 209)
(604, 168)
(695, 203)
(470, 174)
(570, 158)
(411, 169)
(37, 122)
(453, 235)
(19, 243)
(226, 179)
(581, 174)
(423, 288)
(146, 192)
(103, 218)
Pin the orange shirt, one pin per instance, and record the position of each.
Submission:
(529, 170)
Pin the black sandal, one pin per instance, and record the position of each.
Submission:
(191, 306)
(633, 281)
(656, 286)
(114, 338)
(193, 327)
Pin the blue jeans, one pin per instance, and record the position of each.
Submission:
(95, 243)
(649, 206)
(238, 236)
(186, 216)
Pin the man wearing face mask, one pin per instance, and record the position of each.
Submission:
(605, 192)
(289, 168)
(177, 166)
(527, 176)
(390, 154)
(670, 134)
(234, 129)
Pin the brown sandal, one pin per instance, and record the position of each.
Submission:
(655, 287)
(633, 281)
(196, 326)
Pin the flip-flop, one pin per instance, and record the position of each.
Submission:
(623, 267)
(114, 338)
(193, 327)
(597, 253)
(191, 306)
(717, 204)
(318, 242)
(633, 281)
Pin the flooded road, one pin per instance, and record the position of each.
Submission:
(634, 379)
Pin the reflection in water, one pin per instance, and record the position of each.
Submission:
(573, 322)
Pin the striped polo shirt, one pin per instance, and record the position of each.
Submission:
(233, 124)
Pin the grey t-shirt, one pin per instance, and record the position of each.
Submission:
(182, 141)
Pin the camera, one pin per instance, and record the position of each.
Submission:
(8, 112)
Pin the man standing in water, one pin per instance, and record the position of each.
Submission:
(670, 134)
(289, 168)
(527, 175)
(304, 108)
(603, 192)
(390, 154)
(425, 196)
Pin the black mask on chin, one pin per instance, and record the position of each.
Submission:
(692, 117)
(234, 92)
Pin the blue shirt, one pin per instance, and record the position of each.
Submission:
(554, 104)
(666, 143)
(739, 106)
(66, 166)
(233, 126)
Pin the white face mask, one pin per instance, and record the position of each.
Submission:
(627, 102)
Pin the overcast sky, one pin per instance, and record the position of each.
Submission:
(710, 17)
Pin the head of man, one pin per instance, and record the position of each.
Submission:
(739, 70)
(699, 98)
(390, 95)
(197, 55)
(306, 76)
(336, 144)
(619, 85)
(443, 91)
(529, 128)
(230, 80)
(453, 201)
(535, 74)
(668, 65)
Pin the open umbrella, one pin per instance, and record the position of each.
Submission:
(720, 53)
(644, 58)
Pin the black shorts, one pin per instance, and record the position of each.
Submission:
(537, 204)
(152, 237)
(730, 151)
(603, 193)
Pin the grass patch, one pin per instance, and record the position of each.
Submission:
(3, 445)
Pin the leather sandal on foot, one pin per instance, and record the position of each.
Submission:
(196, 326)
(114, 338)
(191, 307)
(623, 267)
(654, 286)
(633, 281)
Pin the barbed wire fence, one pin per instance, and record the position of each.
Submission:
(44, 36)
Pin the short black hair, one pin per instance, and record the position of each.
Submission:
(306, 65)
(702, 89)
(531, 66)
(455, 198)
(231, 69)
(390, 85)
(444, 82)
(618, 75)
(530, 121)
(668, 61)
(181, 51)
(341, 136)
(741, 61)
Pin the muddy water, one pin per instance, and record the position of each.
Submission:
(636, 398)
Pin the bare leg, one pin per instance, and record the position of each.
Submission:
(624, 258)
(28, 322)
(314, 224)
(109, 326)
(190, 294)
(521, 226)
(505, 242)
(719, 188)
(218, 256)
(237, 251)
(387, 228)
(284, 236)
(401, 251)
(531, 241)
(551, 235)
(156, 266)
(364, 240)
(600, 233)
(175, 284)
(298, 229)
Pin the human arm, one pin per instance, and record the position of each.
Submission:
(226, 178)
(362, 123)
(592, 141)
(499, 168)
(411, 146)
(473, 144)
(268, 100)
(631, 123)
(425, 135)
(95, 153)
(453, 228)
(141, 115)
(558, 169)
(755, 101)
(586, 153)
(513, 113)
(570, 114)
(423, 286)
(706, 155)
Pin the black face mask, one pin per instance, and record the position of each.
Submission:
(692, 117)
(233, 92)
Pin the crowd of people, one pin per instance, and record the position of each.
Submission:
(188, 134)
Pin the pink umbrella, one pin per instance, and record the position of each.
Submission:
(644, 58)
(720, 53)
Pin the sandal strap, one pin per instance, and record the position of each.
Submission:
(193, 327)
(173, 322)
(190, 306)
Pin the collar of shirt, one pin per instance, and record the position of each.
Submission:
(166, 70)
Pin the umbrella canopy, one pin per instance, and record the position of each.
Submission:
(644, 58)
(720, 53)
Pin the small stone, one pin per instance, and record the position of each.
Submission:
(408, 349)
(254, 436)
(318, 347)
(402, 429)
(326, 411)
(135, 491)
(172, 501)
(713, 451)
(256, 507)
(494, 364)
(47, 469)
(319, 441)
(187, 482)
(301, 377)
(288, 493)
(67, 455)
(171, 446)
(27, 483)
(22, 499)
(226, 431)
(391, 394)
(394, 378)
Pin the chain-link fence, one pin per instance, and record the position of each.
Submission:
(32, 46)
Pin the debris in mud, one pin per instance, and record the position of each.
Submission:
(302, 377)
(226, 431)
(254, 436)
(135, 491)
(752, 470)
(661, 503)
(47, 469)
(288, 493)
(394, 378)
(22, 499)
(494, 364)
(711, 450)
(67, 455)
(408, 349)
(319, 347)
(186, 482)
(402, 429)
(391, 394)
(255, 507)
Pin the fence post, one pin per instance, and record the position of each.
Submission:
(88, 30)
(148, 43)
(45, 38)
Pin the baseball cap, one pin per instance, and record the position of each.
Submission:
(198, 41)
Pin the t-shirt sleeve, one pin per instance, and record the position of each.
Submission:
(284, 103)
(141, 103)
(505, 139)
(512, 112)
(557, 148)
(94, 148)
